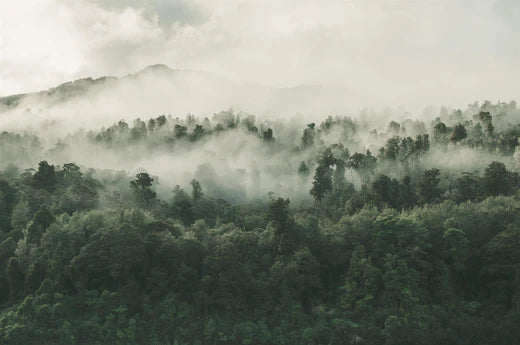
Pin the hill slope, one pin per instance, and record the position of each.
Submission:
(158, 89)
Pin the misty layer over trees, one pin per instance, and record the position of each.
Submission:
(381, 229)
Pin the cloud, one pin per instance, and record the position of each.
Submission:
(167, 12)
(396, 51)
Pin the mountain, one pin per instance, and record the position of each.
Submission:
(59, 93)
(158, 89)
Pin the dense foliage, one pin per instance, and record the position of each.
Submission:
(387, 247)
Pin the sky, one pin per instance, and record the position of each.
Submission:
(399, 52)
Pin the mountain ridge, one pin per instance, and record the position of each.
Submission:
(160, 89)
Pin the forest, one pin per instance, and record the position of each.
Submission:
(377, 229)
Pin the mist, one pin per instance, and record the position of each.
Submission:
(233, 155)
(386, 53)
(259, 172)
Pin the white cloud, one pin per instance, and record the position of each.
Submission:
(398, 51)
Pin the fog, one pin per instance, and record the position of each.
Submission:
(386, 52)
(91, 103)
(83, 67)
(232, 157)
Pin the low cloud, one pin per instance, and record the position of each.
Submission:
(395, 52)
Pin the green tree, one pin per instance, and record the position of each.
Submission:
(198, 133)
(182, 206)
(322, 182)
(7, 203)
(196, 190)
(362, 163)
(466, 187)
(40, 222)
(407, 196)
(497, 179)
(278, 212)
(15, 278)
(303, 169)
(459, 133)
(429, 189)
(267, 135)
(308, 136)
(282, 224)
(142, 187)
(441, 132)
(180, 131)
(387, 190)
(45, 177)
(486, 118)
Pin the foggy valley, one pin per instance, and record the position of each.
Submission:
(246, 172)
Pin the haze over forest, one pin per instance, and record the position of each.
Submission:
(259, 172)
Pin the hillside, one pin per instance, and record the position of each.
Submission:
(160, 89)
(237, 230)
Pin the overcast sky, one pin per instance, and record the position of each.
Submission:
(402, 51)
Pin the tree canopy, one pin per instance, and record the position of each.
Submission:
(418, 243)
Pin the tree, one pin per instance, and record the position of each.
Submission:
(407, 197)
(278, 212)
(394, 127)
(361, 281)
(180, 131)
(142, 187)
(45, 177)
(503, 253)
(161, 121)
(308, 136)
(486, 118)
(440, 132)
(391, 149)
(7, 203)
(182, 206)
(466, 188)
(196, 191)
(429, 186)
(267, 135)
(476, 131)
(303, 169)
(421, 143)
(496, 179)
(341, 188)
(387, 190)
(15, 278)
(198, 133)
(40, 222)
(459, 133)
(139, 130)
(72, 170)
(322, 182)
(362, 162)
(151, 125)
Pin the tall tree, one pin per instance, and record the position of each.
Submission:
(308, 136)
(45, 177)
(196, 190)
(429, 186)
(459, 133)
(142, 187)
(40, 222)
(387, 190)
(322, 182)
(303, 169)
(466, 187)
(278, 213)
(496, 179)
(441, 132)
(486, 118)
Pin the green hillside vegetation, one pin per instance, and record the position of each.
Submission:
(386, 247)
